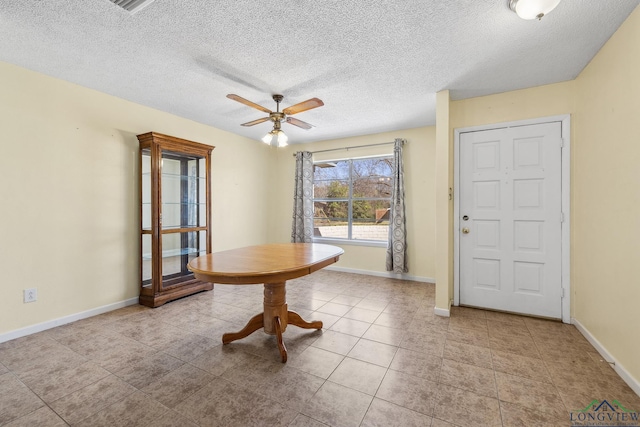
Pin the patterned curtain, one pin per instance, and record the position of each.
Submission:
(397, 247)
(302, 228)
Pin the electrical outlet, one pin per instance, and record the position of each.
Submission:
(31, 295)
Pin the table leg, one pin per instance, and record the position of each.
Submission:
(281, 347)
(296, 320)
(275, 305)
(274, 319)
(254, 324)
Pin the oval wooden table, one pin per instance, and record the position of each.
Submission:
(272, 265)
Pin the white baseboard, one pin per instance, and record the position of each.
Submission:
(18, 333)
(620, 370)
(382, 274)
(444, 312)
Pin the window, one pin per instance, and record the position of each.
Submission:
(352, 198)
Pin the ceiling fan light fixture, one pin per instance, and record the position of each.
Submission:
(267, 138)
(282, 139)
(532, 9)
(277, 117)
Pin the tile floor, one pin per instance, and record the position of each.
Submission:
(382, 359)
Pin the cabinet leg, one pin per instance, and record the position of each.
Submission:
(296, 320)
(254, 324)
(281, 347)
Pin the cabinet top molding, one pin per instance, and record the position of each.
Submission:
(167, 140)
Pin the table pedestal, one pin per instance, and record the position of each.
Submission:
(274, 319)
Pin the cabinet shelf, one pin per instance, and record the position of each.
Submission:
(175, 208)
(176, 229)
(176, 175)
(180, 229)
(182, 178)
(175, 252)
(178, 203)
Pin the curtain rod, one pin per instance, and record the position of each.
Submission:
(355, 146)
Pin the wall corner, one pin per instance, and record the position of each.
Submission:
(444, 203)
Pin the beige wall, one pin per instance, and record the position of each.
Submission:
(541, 101)
(606, 196)
(69, 194)
(419, 160)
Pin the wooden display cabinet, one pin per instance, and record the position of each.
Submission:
(175, 213)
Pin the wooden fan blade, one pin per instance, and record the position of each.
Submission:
(299, 123)
(248, 103)
(303, 106)
(255, 122)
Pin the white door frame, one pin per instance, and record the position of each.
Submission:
(565, 121)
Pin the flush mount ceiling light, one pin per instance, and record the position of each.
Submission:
(532, 9)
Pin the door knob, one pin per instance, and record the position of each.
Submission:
(465, 231)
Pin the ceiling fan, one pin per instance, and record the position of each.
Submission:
(277, 117)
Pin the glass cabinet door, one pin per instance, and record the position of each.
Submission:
(145, 200)
(183, 181)
(145, 184)
(178, 249)
(184, 198)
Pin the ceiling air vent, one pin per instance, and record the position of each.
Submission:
(132, 6)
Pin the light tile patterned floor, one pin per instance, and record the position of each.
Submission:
(383, 359)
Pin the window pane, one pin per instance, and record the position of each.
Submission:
(372, 187)
(381, 166)
(331, 180)
(331, 189)
(331, 219)
(331, 171)
(370, 220)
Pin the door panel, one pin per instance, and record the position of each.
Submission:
(510, 245)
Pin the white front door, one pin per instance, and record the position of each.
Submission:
(510, 219)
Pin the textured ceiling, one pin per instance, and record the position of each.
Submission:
(376, 64)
